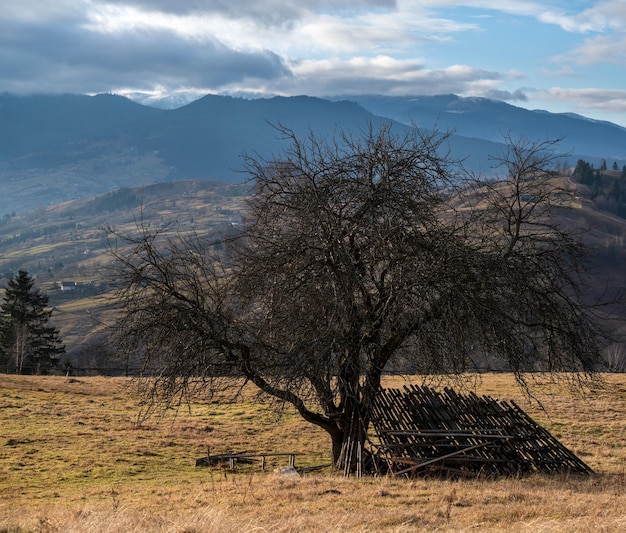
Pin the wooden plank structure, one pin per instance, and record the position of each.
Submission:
(231, 459)
(420, 430)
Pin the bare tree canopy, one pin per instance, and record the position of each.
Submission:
(357, 255)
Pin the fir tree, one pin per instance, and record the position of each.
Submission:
(28, 344)
(616, 191)
(584, 173)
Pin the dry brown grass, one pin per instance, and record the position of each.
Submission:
(74, 458)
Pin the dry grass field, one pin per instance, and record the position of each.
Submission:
(74, 457)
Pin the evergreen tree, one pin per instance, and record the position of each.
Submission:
(596, 187)
(28, 344)
(616, 191)
(584, 172)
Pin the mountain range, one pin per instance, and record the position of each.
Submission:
(55, 148)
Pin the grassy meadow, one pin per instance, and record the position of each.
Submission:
(76, 456)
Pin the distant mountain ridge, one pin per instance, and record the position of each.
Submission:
(55, 148)
(62, 147)
(488, 119)
(35, 122)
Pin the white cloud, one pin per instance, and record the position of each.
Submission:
(604, 49)
(610, 100)
(75, 59)
(241, 8)
(377, 27)
(44, 10)
(381, 75)
(604, 15)
(317, 47)
(564, 71)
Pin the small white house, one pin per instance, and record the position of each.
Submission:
(68, 286)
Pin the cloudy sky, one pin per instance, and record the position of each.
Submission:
(559, 55)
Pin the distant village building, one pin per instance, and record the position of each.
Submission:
(68, 286)
(77, 286)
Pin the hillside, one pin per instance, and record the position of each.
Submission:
(68, 242)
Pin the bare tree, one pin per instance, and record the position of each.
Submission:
(353, 253)
(615, 357)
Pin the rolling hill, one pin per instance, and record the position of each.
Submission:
(69, 242)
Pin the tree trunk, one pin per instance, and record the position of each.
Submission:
(348, 442)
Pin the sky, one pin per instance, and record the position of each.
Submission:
(556, 55)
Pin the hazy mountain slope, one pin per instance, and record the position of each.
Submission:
(491, 119)
(210, 135)
(34, 123)
(57, 148)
